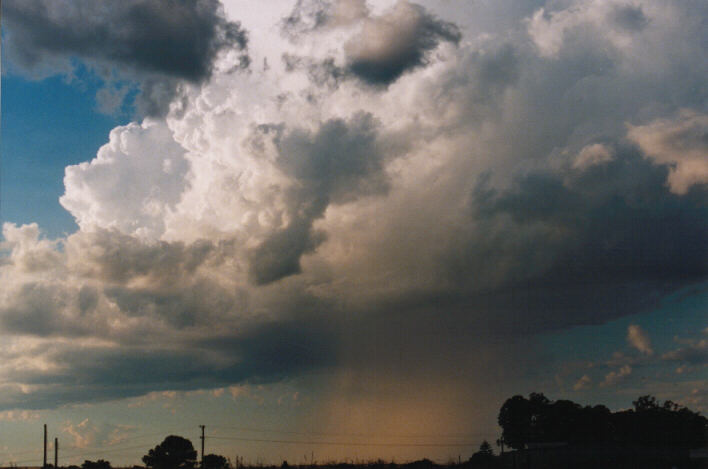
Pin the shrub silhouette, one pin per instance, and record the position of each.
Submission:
(100, 464)
(484, 457)
(214, 461)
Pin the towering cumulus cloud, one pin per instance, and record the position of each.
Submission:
(399, 194)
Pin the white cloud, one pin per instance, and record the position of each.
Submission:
(639, 339)
(132, 185)
(83, 434)
(583, 383)
(680, 144)
(607, 22)
(613, 377)
(19, 415)
(592, 155)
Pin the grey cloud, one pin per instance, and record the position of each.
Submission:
(114, 257)
(36, 309)
(262, 353)
(109, 276)
(161, 42)
(386, 47)
(325, 73)
(694, 354)
(279, 255)
(309, 338)
(306, 16)
(579, 249)
(396, 42)
(199, 302)
(629, 17)
(302, 342)
(88, 299)
(338, 163)
(497, 69)
(107, 373)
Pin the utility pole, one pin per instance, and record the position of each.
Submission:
(56, 453)
(44, 465)
(202, 438)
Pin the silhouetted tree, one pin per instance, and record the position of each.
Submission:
(646, 403)
(515, 420)
(174, 452)
(538, 419)
(484, 457)
(485, 449)
(653, 424)
(100, 464)
(215, 461)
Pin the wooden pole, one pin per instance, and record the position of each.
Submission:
(44, 464)
(202, 437)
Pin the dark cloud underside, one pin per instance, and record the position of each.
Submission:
(411, 33)
(160, 41)
(613, 240)
(338, 163)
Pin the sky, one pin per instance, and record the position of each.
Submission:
(345, 229)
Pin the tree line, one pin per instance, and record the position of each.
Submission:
(649, 423)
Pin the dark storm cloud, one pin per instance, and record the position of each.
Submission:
(629, 17)
(279, 255)
(264, 353)
(36, 311)
(398, 41)
(604, 242)
(338, 163)
(162, 42)
(199, 302)
(386, 46)
(453, 275)
(280, 350)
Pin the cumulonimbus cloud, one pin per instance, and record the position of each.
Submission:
(268, 227)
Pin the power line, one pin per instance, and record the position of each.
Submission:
(119, 447)
(114, 445)
(342, 443)
(384, 435)
(103, 451)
